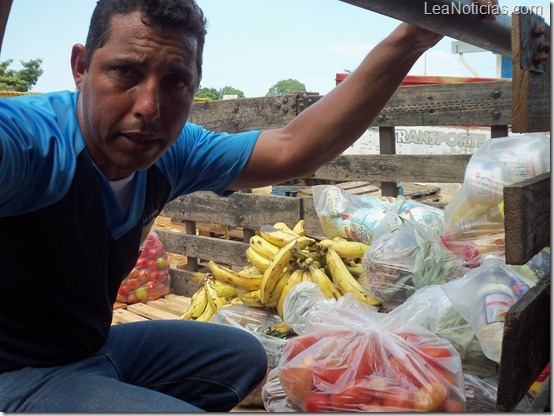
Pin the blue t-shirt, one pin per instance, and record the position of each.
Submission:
(66, 242)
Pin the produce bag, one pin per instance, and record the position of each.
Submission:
(431, 308)
(356, 359)
(474, 219)
(150, 278)
(256, 321)
(409, 257)
(483, 296)
(355, 217)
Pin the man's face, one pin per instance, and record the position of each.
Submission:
(136, 94)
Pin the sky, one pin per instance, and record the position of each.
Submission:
(250, 45)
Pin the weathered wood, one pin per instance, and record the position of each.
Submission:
(237, 210)
(182, 282)
(474, 104)
(245, 114)
(400, 168)
(527, 218)
(206, 248)
(150, 312)
(311, 219)
(525, 345)
(123, 316)
(531, 83)
(483, 104)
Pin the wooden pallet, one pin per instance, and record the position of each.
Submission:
(169, 307)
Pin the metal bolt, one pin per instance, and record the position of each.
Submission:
(540, 57)
(310, 101)
(236, 109)
(285, 100)
(383, 167)
(301, 106)
(236, 122)
(544, 47)
(278, 106)
(285, 110)
(496, 114)
(496, 94)
(380, 117)
(538, 31)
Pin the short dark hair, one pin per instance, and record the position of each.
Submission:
(183, 14)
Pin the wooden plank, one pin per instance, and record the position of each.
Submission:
(183, 282)
(525, 345)
(123, 316)
(531, 83)
(237, 210)
(150, 312)
(245, 114)
(527, 218)
(483, 104)
(206, 248)
(168, 305)
(396, 168)
(312, 223)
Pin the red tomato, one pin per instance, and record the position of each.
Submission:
(143, 276)
(151, 286)
(329, 373)
(123, 290)
(435, 351)
(141, 263)
(430, 397)
(152, 265)
(316, 402)
(153, 253)
(297, 382)
(133, 274)
(351, 396)
(399, 400)
(453, 406)
(133, 283)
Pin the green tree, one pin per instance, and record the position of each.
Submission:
(230, 91)
(22, 80)
(286, 86)
(205, 92)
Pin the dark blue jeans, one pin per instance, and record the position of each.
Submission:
(152, 366)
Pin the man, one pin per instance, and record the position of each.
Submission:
(82, 177)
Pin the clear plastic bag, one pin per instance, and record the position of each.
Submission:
(356, 359)
(356, 217)
(409, 257)
(149, 279)
(474, 219)
(483, 296)
(431, 308)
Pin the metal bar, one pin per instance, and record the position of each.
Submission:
(450, 18)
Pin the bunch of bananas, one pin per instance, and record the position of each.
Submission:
(279, 258)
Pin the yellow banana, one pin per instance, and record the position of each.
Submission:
(249, 271)
(326, 242)
(345, 281)
(284, 227)
(280, 330)
(252, 299)
(295, 277)
(213, 299)
(198, 303)
(306, 276)
(349, 249)
(244, 282)
(224, 290)
(277, 236)
(278, 289)
(299, 228)
(278, 264)
(256, 259)
(208, 313)
(263, 247)
(327, 287)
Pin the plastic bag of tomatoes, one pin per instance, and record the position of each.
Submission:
(363, 361)
(150, 278)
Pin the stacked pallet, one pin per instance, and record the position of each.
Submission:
(169, 307)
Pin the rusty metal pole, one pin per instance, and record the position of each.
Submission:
(5, 6)
(453, 18)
